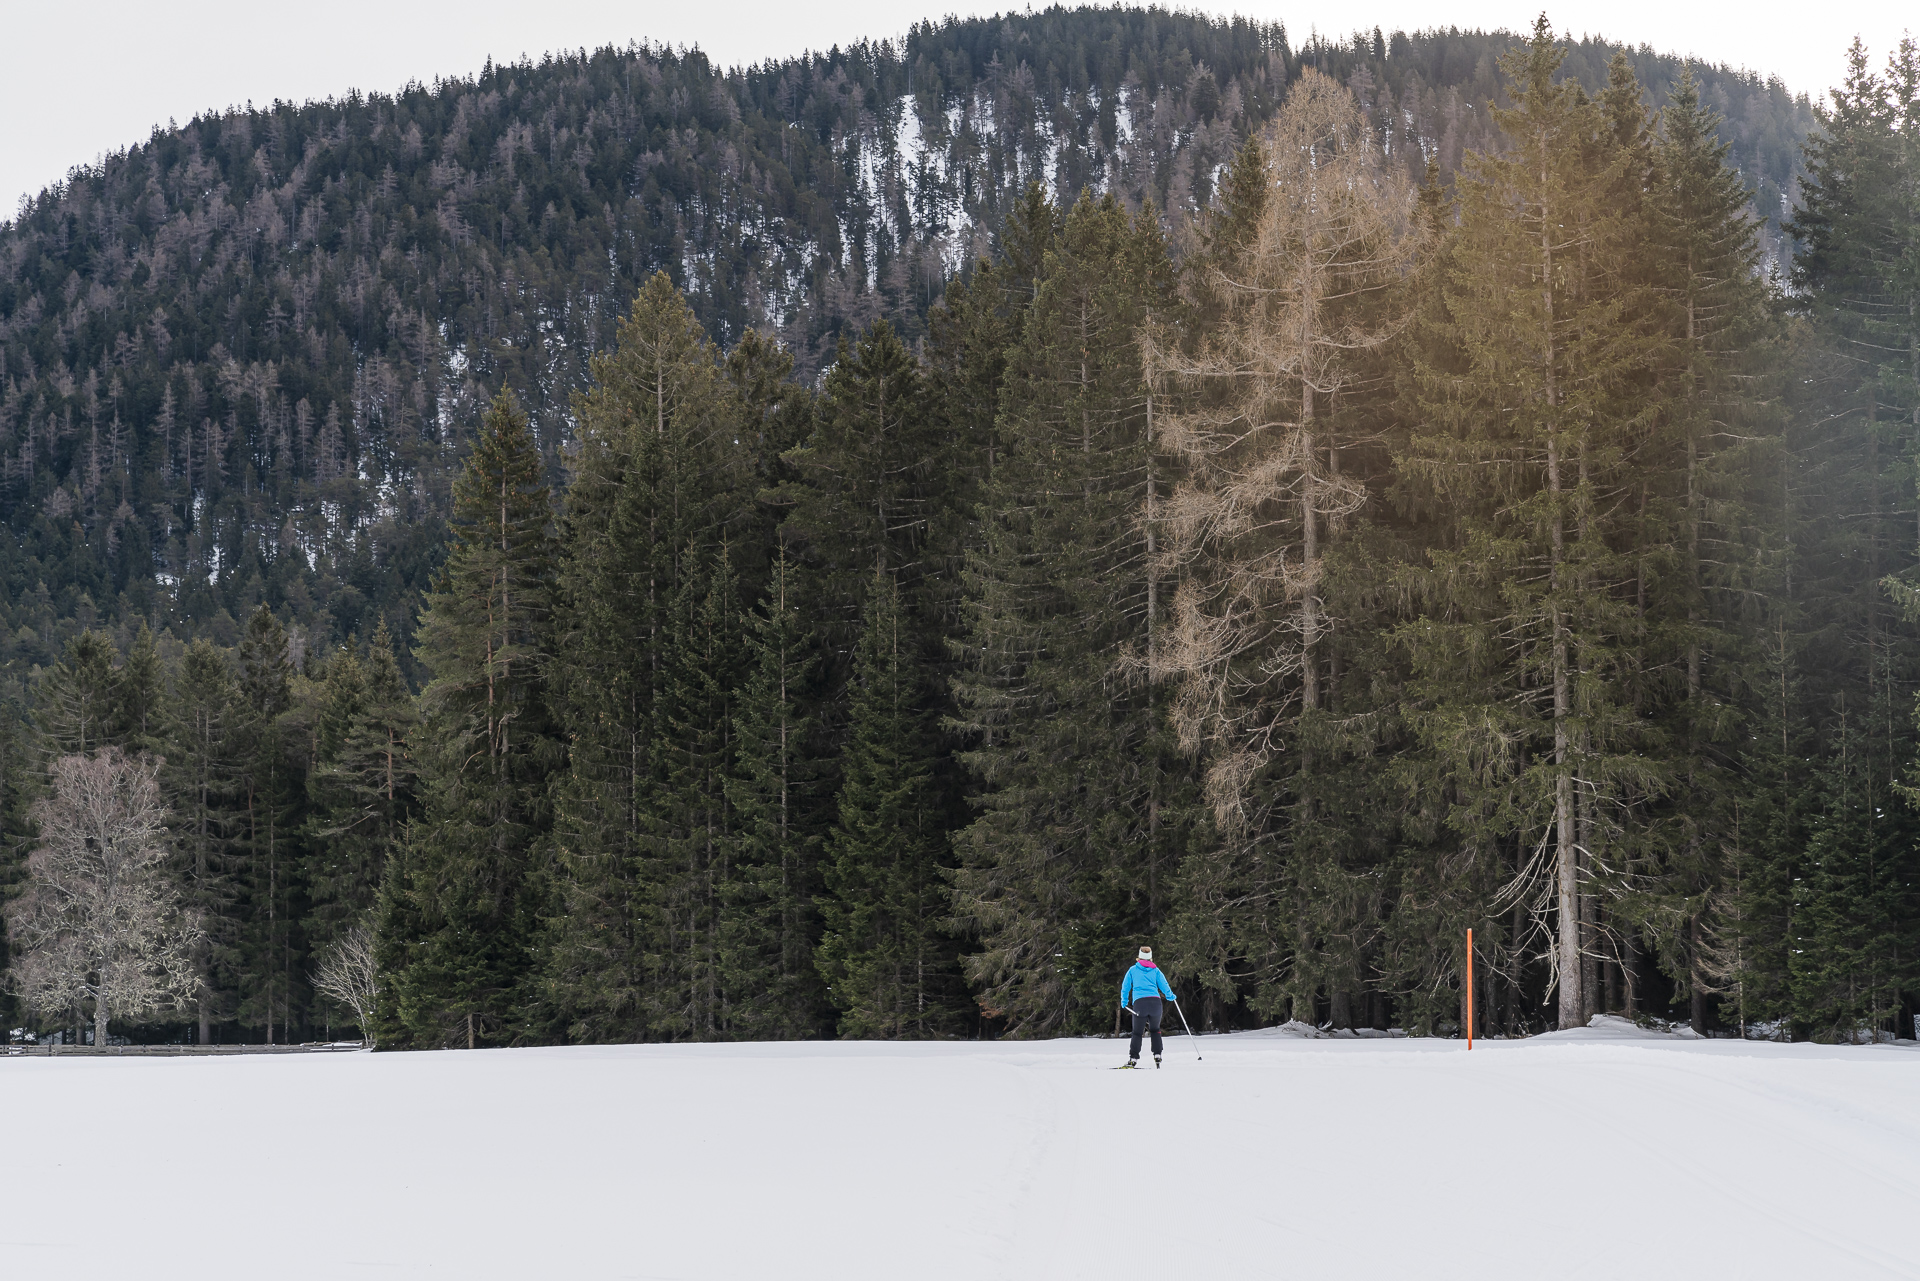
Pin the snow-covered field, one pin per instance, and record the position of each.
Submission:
(1602, 1153)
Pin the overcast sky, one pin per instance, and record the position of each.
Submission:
(80, 79)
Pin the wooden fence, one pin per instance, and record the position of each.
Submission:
(51, 1051)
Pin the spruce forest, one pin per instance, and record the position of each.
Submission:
(615, 549)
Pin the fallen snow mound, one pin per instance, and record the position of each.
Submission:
(1611, 1027)
(1284, 1153)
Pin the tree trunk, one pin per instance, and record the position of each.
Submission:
(1310, 558)
(1589, 917)
(1566, 862)
(100, 1013)
(1153, 613)
(1697, 1002)
(1517, 931)
(1566, 869)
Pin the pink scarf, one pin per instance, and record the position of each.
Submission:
(1148, 964)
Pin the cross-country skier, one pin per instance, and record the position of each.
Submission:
(1140, 995)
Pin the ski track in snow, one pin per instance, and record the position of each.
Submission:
(1606, 1152)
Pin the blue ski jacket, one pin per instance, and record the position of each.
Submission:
(1143, 981)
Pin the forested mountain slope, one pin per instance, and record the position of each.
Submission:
(907, 527)
(238, 362)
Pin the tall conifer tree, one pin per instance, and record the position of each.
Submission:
(659, 475)
(872, 485)
(268, 791)
(1857, 447)
(1072, 852)
(1522, 648)
(1708, 547)
(475, 874)
(690, 825)
(139, 692)
(74, 706)
(891, 971)
(202, 720)
(771, 904)
(364, 789)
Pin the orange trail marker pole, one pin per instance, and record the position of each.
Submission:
(1469, 989)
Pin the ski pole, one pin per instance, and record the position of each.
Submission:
(1189, 1027)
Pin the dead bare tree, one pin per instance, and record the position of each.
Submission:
(347, 974)
(101, 924)
(1304, 301)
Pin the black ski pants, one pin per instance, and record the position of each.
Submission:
(1147, 1011)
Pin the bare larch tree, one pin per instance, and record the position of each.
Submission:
(1306, 299)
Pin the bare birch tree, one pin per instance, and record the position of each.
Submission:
(348, 974)
(1304, 300)
(101, 925)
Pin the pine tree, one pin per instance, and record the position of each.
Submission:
(1858, 219)
(878, 483)
(1859, 425)
(1857, 449)
(74, 705)
(267, 792)
(689, 826)
(474, 875)
(1032, 227)
(1526, 624)
(1751, 934)
(658, 478)
(343, 695)
(203, 717)
(771, 899)
(1857, 911)
(971, 333)
(1227, 232)
(1704, 545)
(363, 790)
(1071, 853)
(890, 970)
(139, 691)
(874, 479)
(775, 414)
(400, 919)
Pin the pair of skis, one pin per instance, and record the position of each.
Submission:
(1131, 1063)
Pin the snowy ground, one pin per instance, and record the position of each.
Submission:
(1602, 1153)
